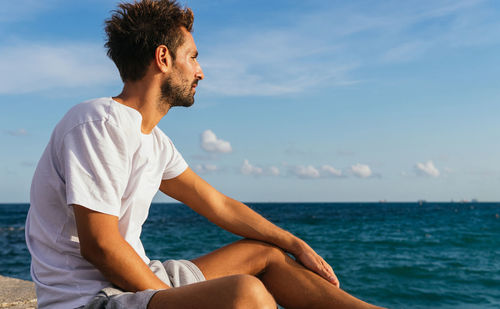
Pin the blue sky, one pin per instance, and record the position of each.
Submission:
(302, 100)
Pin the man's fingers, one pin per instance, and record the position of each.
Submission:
(332, 278)
(317, 264)
(329, 274)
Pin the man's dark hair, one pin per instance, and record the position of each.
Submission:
(136, 29)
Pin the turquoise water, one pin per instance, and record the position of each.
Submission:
(398, 255)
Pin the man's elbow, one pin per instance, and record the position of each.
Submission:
(95, 251)
(90, 253)
(98, 233)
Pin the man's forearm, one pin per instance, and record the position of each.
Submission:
(226, 212)
(240, 219)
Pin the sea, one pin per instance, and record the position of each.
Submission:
(397, 255)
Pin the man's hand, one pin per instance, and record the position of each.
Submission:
(311, 260)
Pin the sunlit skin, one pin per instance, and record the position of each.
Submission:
(254, 272)
(145, 95)
(180, 88)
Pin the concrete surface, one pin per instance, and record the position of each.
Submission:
(16, 293)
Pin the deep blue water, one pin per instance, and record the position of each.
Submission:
(398, 255)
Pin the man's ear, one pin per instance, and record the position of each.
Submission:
(163, 60)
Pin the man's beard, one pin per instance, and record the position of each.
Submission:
(176, 95)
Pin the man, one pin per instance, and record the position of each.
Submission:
(105, 161)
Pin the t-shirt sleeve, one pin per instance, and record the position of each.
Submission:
(176, 164)
(96, 166)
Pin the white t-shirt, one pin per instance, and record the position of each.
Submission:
(97, 157)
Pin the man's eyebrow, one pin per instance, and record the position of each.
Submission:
(195, 54)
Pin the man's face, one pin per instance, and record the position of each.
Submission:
(178, 88)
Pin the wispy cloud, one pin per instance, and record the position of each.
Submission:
(210, 143)
(448, 171)
(30, 67)
(345, 153)
(18, 132)
(326, 47)
(271, 62)
(205, 168)
(20, 10)
(405, 52)
(28, 163)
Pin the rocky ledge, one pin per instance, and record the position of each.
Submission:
(16, 293)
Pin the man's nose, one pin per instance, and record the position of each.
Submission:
(199, 72)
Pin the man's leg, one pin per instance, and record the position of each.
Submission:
(238, 291)
(292, 285)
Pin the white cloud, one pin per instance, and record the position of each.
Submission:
(312, 172)
(361, 170)
(306, 172)
(274, 171)
(249, 169)
(34, 67)
(329, 170)
(205, 168)
(210, 143)
(426, 169)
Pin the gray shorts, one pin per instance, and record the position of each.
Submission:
(175, 273)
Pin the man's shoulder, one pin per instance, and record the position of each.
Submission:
(98, 111)
(88, 111)
(99, 117)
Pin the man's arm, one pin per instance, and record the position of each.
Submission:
(103, 246)
(239, 219)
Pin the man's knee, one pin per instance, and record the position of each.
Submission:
(269, 252)
(250, 292)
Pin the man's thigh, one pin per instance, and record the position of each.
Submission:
(245, 256)
(239, 291)
(174, 273)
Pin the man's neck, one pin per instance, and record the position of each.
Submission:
(144, 97)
